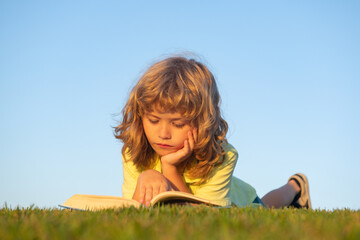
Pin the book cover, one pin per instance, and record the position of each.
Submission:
(97, 202)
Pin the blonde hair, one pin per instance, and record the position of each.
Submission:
(182, 85)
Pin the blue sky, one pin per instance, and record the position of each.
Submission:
(288, 73)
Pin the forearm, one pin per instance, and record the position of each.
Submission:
(175, 177)
(149, 184)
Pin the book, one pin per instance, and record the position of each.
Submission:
(97, 202)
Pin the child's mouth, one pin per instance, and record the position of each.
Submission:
(163, 145)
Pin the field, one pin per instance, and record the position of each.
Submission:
(179, 222)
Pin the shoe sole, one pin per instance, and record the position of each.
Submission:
(304, 199)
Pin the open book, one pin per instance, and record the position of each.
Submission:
(96, 202)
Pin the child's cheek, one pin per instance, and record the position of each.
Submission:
(180, 147)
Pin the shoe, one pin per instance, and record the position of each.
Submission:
(302, 199)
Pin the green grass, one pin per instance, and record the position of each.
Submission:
(179, 222)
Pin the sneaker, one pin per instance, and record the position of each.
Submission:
(302, 199)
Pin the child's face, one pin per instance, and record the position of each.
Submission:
(166, 132)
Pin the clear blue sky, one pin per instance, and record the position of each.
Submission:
(288, 73)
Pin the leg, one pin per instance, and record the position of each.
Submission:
(283, 196)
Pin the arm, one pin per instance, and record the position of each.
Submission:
(143, 186)
(175, 178)
(149, 184)
(170, 162)
(150, 181)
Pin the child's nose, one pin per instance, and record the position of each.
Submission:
(164, 132)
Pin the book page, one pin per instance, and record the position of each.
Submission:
(175, 197)
(96, 202)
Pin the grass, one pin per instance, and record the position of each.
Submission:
(179, 222)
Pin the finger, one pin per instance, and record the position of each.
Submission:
(191, 140)
(142, 194)
(186, 148)
(148, 195)
(183, 152)
(163, 188)
(195, 134)
(156, 191)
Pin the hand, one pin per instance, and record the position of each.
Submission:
(151, 183)
(182, 154)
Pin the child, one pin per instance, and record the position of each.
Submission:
(175, 140)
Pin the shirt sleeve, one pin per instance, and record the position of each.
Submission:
(217, 188)
(131, 175)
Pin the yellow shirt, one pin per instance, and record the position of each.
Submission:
(221, 187)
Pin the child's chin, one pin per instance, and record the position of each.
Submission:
(164, 152)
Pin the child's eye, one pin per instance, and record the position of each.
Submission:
(179, 125)
(153, 121)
